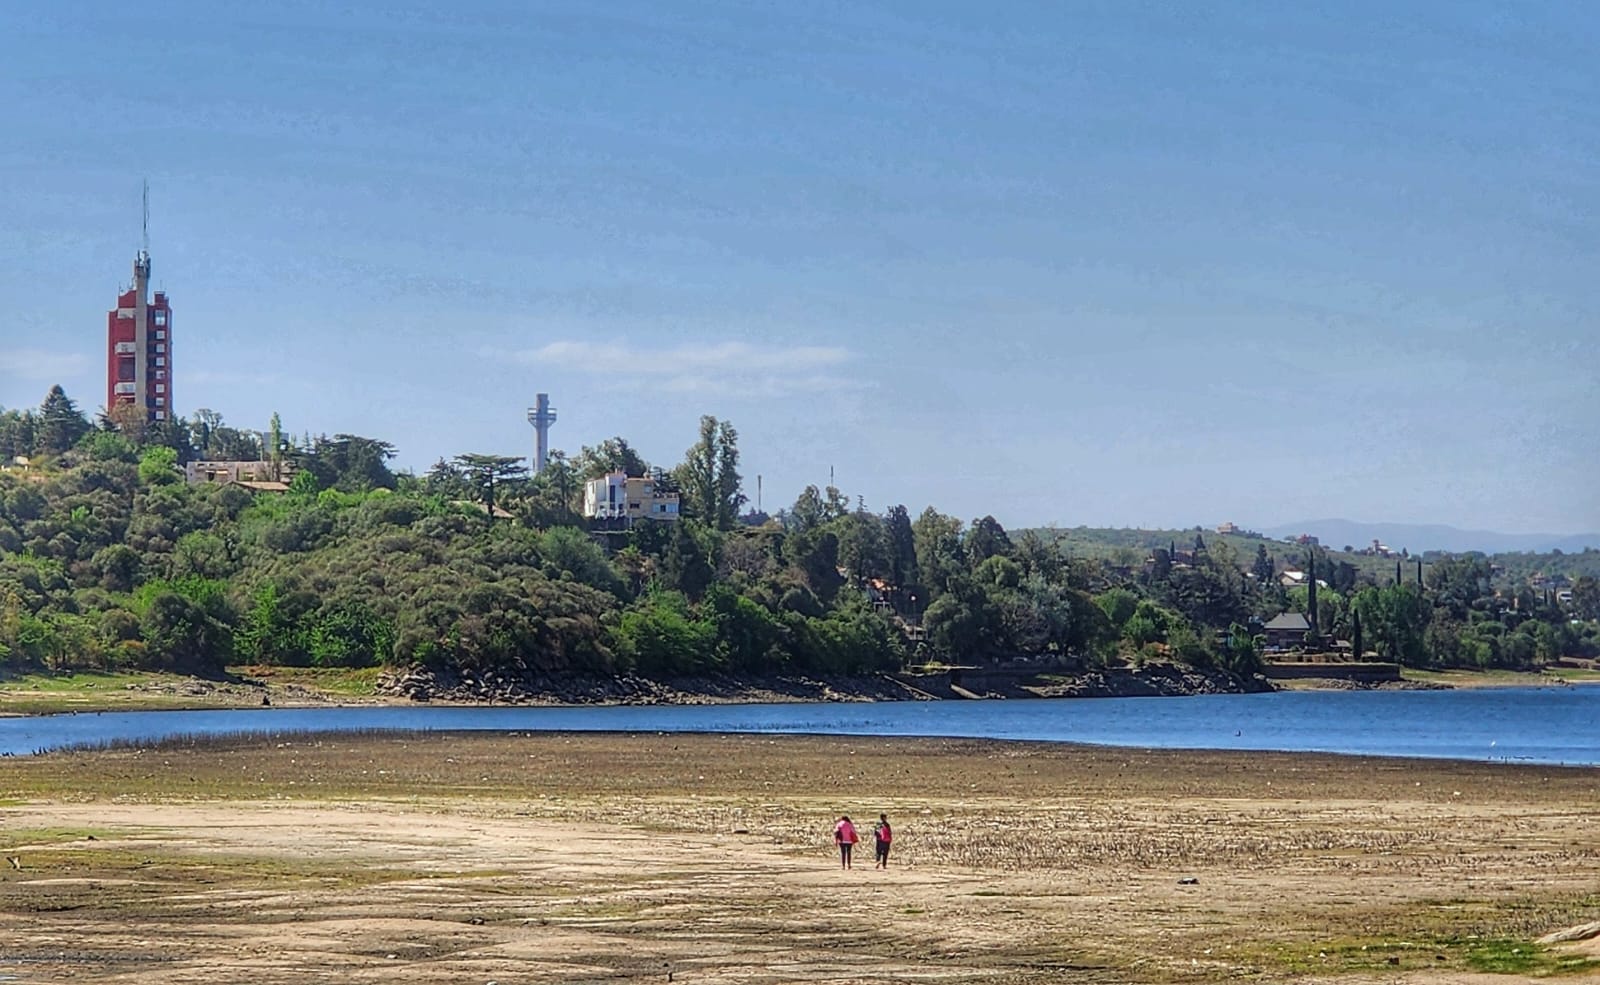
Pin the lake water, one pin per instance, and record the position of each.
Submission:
(1538, 725)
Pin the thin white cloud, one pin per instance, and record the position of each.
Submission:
(224, 377)
(736, 356)
(759, 386)
(42, 364)
(736, 368)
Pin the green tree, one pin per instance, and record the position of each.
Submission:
(158, 466)
(1263, 569)
(902, 548)
(985, 539)
(662, 636)
(863, 546)
(61, 424)
(18, 435)
(107, 446)
(816, 554)
(486, 473)
(1458, 583)
(180, 635)
(1243, 652)
(955, 629)
(749, 638)
(448, 480)
(1586, 598)
(688, 564)
(271, 631)
(349, 462)
(808, 512)
(610, 455)
(1313, 613)
(276, 446)
(1396, 616)
(552, 494)
(1118, 604)
(940, 558)
(709, 476)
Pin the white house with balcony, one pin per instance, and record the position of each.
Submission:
(617, 496)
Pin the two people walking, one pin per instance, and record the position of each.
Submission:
(844, 835)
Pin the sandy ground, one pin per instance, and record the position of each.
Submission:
(634, 858)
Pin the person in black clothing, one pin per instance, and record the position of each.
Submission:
(882, 834)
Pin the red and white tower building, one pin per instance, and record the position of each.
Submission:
(139, 344)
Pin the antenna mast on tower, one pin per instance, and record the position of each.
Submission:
(144, 242)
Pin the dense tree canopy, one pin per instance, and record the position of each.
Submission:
(108, 558)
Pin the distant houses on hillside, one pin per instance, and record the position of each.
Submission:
(257, 476)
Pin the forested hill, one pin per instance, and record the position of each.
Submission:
(108, 558)
(1130, 546)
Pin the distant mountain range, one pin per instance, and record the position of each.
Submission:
(1421, 537)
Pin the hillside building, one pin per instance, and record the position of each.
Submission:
(259, 476)
(1287, 630)
(139, 344)
(616, 496)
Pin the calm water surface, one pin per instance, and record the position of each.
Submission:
(1540, 725)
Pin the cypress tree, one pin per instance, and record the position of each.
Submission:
(1311, 591)
(1355, 635)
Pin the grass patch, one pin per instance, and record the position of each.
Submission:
(1513, 957)
(49, 836)
(42, 692)
(75, 681)
(1574, 675)
(1462, 677)
(351, 682)
(1500, 955)
(59, 692)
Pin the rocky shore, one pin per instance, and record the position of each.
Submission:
(425, 685)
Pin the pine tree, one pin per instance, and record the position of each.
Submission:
(61, 424)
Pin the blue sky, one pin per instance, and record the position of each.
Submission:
(1111, 263)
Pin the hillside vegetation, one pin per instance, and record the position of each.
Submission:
(108, 559)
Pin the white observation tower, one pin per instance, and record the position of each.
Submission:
(541, 415)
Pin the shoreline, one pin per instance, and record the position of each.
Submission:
(42, 693)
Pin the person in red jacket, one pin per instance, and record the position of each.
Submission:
(882, 834)
(844, 835)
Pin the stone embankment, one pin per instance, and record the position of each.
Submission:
(1151, 680)
(456, 687)
(423, 684)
